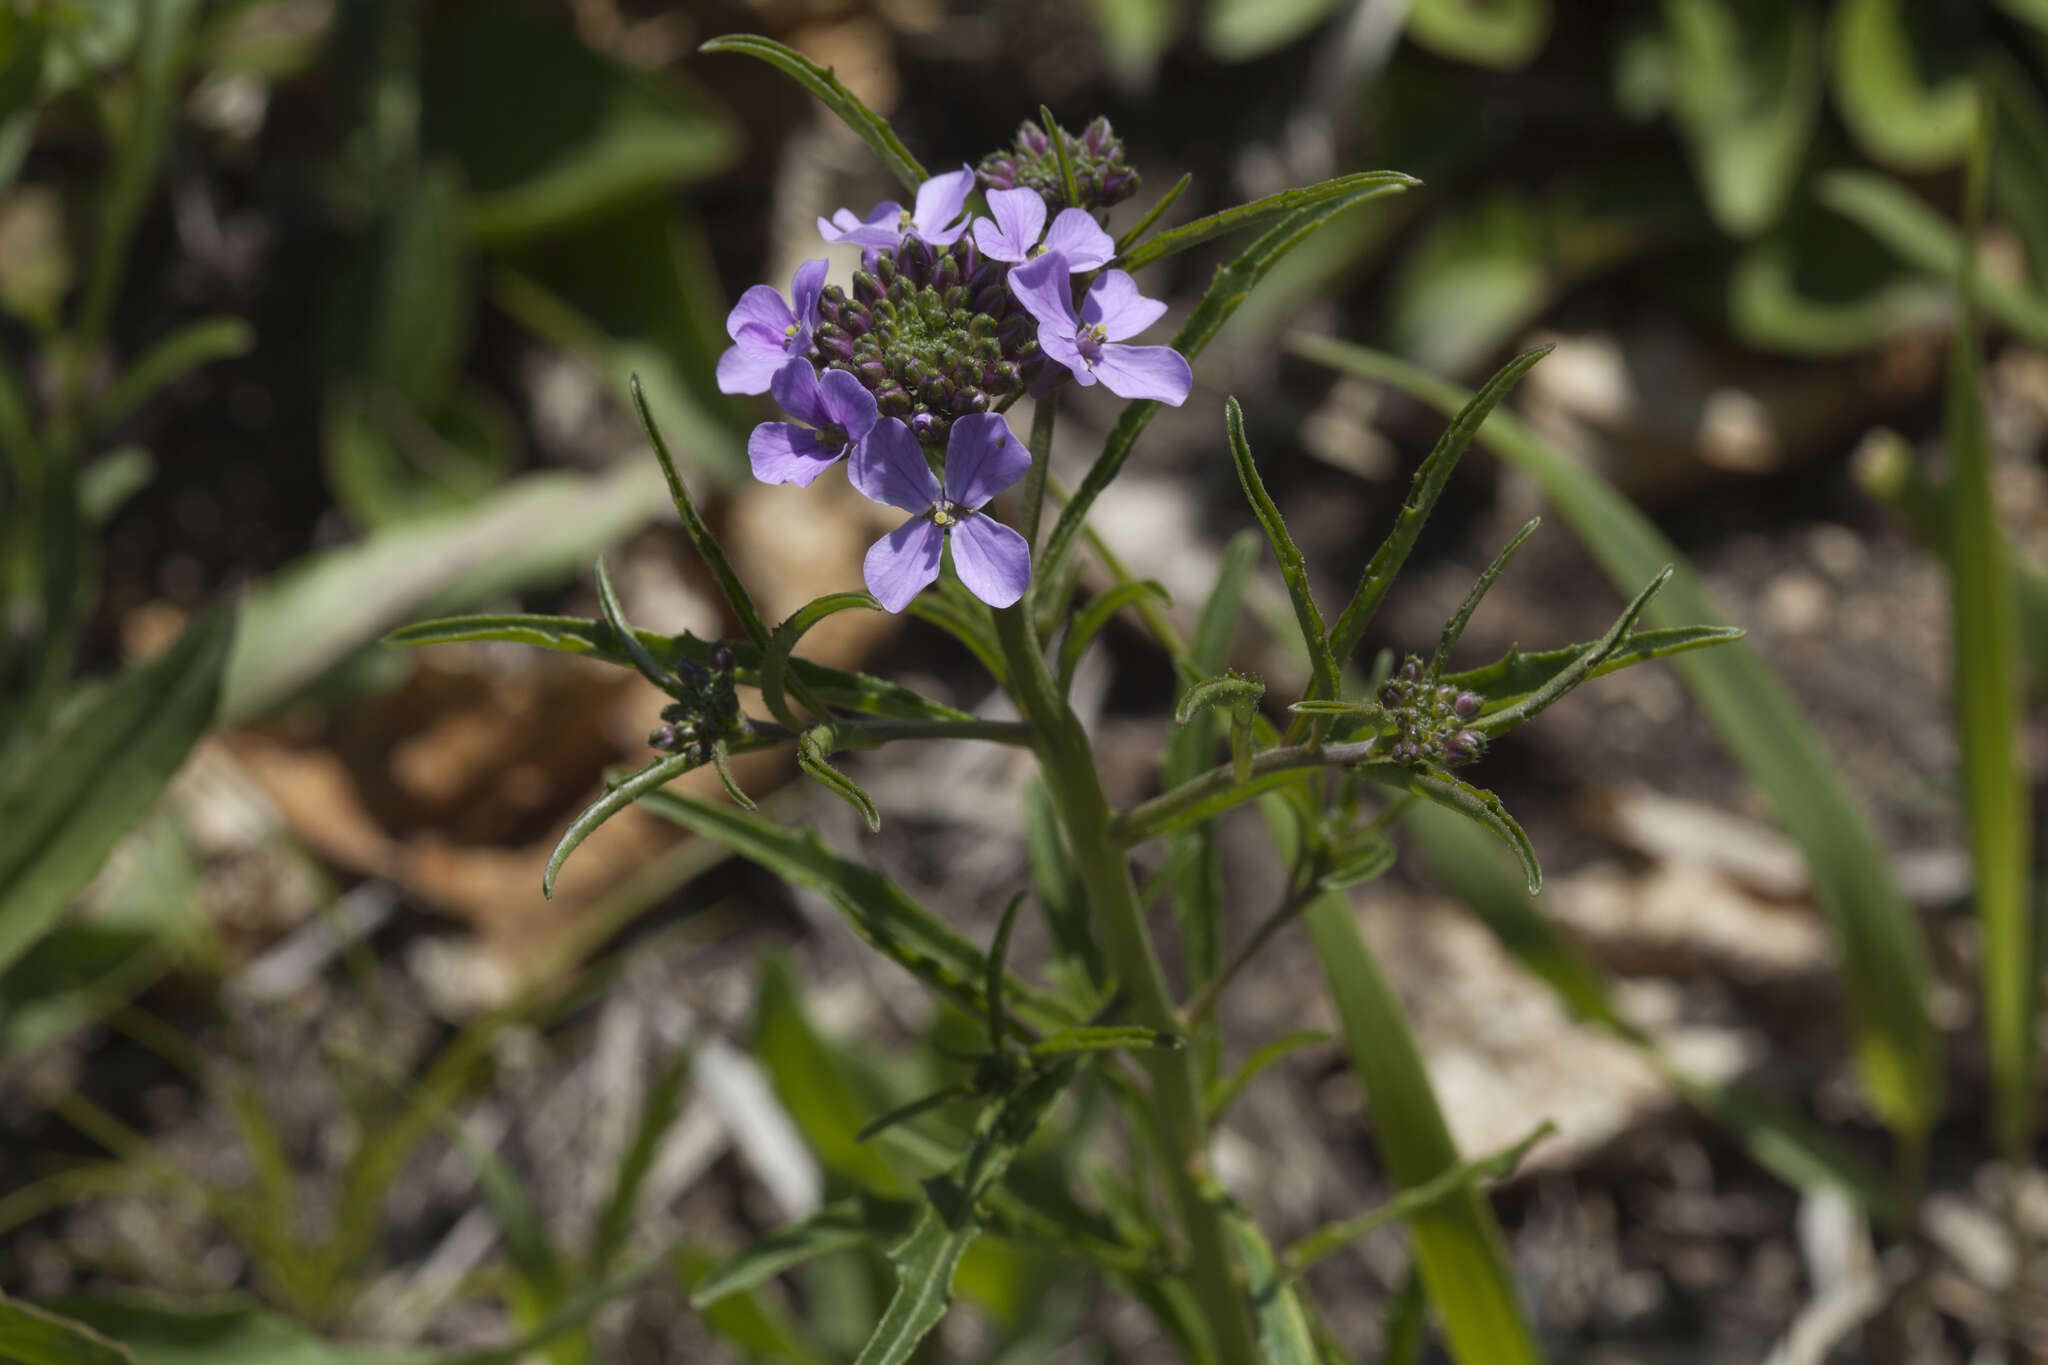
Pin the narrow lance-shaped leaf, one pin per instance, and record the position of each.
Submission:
(628, 639)
(617, 796)
(1431, 477)
(1580, 668)
(1164, 202)
(1062, 154)
(1226, 291)
(926, 1260)
(819, 80)
(862, 1220)
(1455, 627)
(1293, 568)
(845, 691)
(1884, 967)
(1105, 1038)
(775, 654)
(1260, 211)
(1996, 791)
(1474, 803)
(813, 755)
(879, 910)
(1285, 1337)
(1226, 1090)
(33, 1337)
(1514, 675)
(169, 360)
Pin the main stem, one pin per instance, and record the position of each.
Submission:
(1069, 767)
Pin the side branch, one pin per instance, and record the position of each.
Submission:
(1218, 789)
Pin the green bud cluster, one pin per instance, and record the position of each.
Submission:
(1431, 718)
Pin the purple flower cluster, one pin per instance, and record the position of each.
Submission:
(948, 321)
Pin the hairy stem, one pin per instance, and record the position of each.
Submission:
(1069, 767)
(1219, 788)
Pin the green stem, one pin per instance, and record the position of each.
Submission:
(1069, 767)
(1040, 447)
(1219, 788)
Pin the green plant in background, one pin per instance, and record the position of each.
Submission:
(560, 211)
(1197, 1260)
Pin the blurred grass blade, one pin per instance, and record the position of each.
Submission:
(1226, 291)
(1467, 865)
(1457, 1240)
(815, 1083)
(1293, 568)
(595, 639)
(1899, 120)
(1259, 211)
(657, 1113)
(1225, 1091)
(1060, 893)
(184, 350)
(1884, 966)
(615, 798)
(32, 1337)
(862, 1220)
(761, 1328)
(1504, 34)
(1746, 87)
(1997, 797)
(1924, 240)
(879, 910)
(1331, 1238)
(83, 786)
(1424, 489)
(971, 628)
(225, 1329)
(819, 80)
(1088, 622)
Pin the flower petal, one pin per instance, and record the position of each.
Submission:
(882, 227)
(847, 402)
(889, 467)
(1041, 286)
(939, 201)
(983, 457)
(760, 307)
(1019, 216)
(903, 563)
(804, 290)
(1077, 236)
(1059, 348)
(783, 452)
(796, 392)
(1114, 302)
(745, 368)
(1156, 372)
(991, 559)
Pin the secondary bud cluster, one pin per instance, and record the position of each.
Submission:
(1432, 718)
(1101, 175)
(933, 333)
(707, 712)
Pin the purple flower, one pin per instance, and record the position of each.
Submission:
(939, 202)
(837, 413)
(1019, 217)
(982, 459)
(766, 332)
(1111, 310)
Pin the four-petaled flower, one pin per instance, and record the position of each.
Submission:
(982, 459)
(766, 331)
(1110, 311)
(939, 204)
(837, 413)
(1019, 217)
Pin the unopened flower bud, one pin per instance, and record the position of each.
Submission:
(1467, 705)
